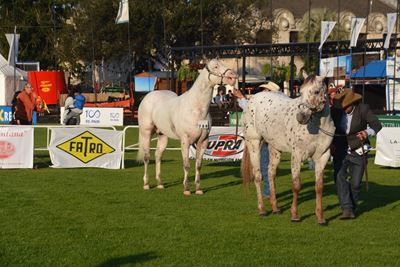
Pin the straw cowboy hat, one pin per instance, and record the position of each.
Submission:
(270, 86)
(346, 98)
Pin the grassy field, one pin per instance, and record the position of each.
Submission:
(96, 217)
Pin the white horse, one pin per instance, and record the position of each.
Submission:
(301, 126)
(184, 117)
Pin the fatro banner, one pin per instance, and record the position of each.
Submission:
(85, 147)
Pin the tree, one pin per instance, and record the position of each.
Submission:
(38, 27)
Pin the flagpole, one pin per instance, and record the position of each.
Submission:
(130, 55)
(351, 64)
(395, 56)
(320, 57)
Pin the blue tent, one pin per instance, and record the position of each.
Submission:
(374, 69)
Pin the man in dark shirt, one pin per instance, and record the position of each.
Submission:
(354, 122)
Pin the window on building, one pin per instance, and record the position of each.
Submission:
(264, 37)
(293, 37)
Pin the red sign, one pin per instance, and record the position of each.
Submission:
(47, 84)
(7, 149)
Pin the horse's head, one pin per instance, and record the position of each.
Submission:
(218, 73)
(313, 97)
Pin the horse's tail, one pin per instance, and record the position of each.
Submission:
(246, 170)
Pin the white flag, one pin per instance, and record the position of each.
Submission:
(391, 21)
(123, 12)
(13, 52)
(356, 25)
(326, 29)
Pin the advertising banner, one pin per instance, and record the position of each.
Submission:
(16, 147)
(335, 66)
(392, 95)
(388, 147)
(47, 84)
(85, 147)
(223, 145)
(100, 116)
(5, 115)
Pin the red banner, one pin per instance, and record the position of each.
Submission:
(48, 85)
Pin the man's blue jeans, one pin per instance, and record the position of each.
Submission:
(264, 161)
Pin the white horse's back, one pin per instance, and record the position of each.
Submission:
(156, 110)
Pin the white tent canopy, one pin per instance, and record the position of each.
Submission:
(9, 83)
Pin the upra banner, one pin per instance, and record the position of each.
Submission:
(85, 147)
(388, 147)
(222, 145)
(16, 147)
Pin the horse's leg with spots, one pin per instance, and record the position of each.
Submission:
(253, 147)
(319, 186)
(186, 164)
(274, 159)
(201, 148)
(296, 185)
(161, 145)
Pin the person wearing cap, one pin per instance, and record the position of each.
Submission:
(354, 122)
(25, 105)
(264, 154)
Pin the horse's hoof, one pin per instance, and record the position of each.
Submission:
(295, 220)
(262, 214)
(323, 223)
(146, 187)
(199, 192)
(186, 193)
(160, 186)
(276, 212)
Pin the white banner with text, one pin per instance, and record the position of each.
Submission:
(100, 116)
(388, 147)
(16, 147)
(223, 144)
(85, 147)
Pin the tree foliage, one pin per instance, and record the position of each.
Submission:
(71, 34)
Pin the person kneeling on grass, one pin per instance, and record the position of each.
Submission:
(73, 108)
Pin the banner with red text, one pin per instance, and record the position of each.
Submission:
(223, 144)
(16, 147)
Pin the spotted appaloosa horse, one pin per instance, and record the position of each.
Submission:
(289, 125)
(184, 117)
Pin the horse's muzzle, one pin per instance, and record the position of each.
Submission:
(229, 77)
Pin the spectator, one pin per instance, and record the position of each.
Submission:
(73, 108)
(25, 104)
(264, 153)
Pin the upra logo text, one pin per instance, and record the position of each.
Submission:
(224, 145)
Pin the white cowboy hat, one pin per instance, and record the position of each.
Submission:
(270, 86)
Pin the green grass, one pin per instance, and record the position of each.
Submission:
(96, 217)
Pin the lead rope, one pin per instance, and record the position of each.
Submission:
(366, 166)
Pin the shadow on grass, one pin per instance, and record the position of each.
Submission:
(132, 259)
(129, 163)
(378, 196)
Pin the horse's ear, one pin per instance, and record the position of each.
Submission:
(305, 75)
(322, 77)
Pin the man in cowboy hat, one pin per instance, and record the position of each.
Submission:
(354, 122)
(264, 154)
